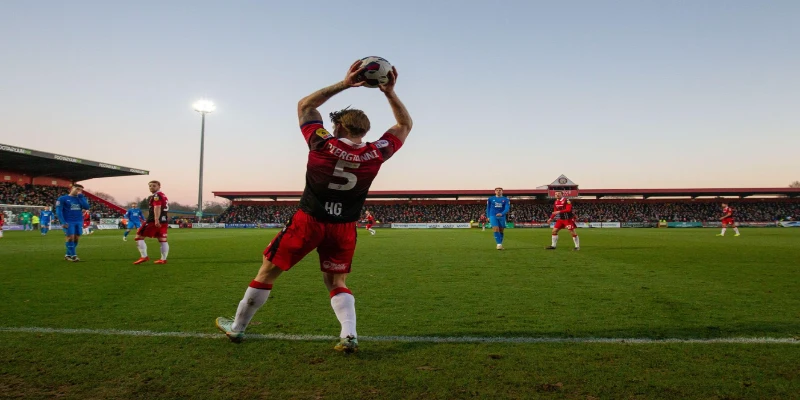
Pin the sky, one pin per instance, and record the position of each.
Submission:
(613, 94)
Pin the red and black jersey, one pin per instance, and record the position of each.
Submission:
(158, 199)
(564, 205)
(340, 172)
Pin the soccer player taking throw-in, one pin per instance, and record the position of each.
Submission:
(340, 170)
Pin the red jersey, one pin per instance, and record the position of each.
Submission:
(340, 172)
(158, 199)
(483, 219)
(726, 211)
(564, 205)
(370, 219)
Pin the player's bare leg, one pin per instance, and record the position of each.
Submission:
(575, 239)
(255, 296)
(344, 305)
(164, 251)
(142, 247)
(553, 239)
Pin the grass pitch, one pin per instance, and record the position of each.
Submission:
(624, 283)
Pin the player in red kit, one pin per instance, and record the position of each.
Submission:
(2, 222)
(482, 221)
(156, 225)
(370, 221)
(728, 221)
(565, 218)
(87, 221)
(340, 170)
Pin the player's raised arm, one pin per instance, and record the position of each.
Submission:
(307, 107)
(404, 123)
(84, 202)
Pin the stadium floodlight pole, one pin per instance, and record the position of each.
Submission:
(203, 107)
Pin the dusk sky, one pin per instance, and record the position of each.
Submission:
(613, 94)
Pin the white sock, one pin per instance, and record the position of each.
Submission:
(344, 305)
(254, 298)
(554, 240)
(164, 250)
(142, 248)
(723, 230)
(736, 229)
(576, 241)
(372, 231)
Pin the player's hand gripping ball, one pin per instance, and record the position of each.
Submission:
(376, 71)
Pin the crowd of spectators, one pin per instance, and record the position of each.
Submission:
(257, 214)
(625, 211)
(521, 211)
(35, 195)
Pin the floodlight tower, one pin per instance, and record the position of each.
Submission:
(204, 107)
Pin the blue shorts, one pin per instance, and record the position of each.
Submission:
(136, 225)
(74, 228)
(497, 222)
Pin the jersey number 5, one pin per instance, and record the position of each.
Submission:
(340, 172)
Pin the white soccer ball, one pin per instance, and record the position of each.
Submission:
(376, 72)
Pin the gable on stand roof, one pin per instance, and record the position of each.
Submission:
(563, 181)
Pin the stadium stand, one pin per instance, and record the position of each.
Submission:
(638, 205)
(37, 178)
(591, 210)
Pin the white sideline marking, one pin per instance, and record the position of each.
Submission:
(419, 339)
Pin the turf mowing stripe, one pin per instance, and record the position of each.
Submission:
(422, 339)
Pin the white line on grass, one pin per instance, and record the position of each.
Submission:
(419, 339)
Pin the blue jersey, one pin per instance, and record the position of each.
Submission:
(134, 215)
(70, 208)
(45, 217)
(497, 205)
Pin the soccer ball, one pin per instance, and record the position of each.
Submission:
(376, 72)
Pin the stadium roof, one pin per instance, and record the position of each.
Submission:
(596, 193)
(38, 163)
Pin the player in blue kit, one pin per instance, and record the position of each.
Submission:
(497, 208)
(135, 217)
(69, 209)
(45, 218)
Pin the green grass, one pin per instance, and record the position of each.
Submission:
(637, 283)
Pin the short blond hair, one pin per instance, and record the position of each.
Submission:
(355, 122)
